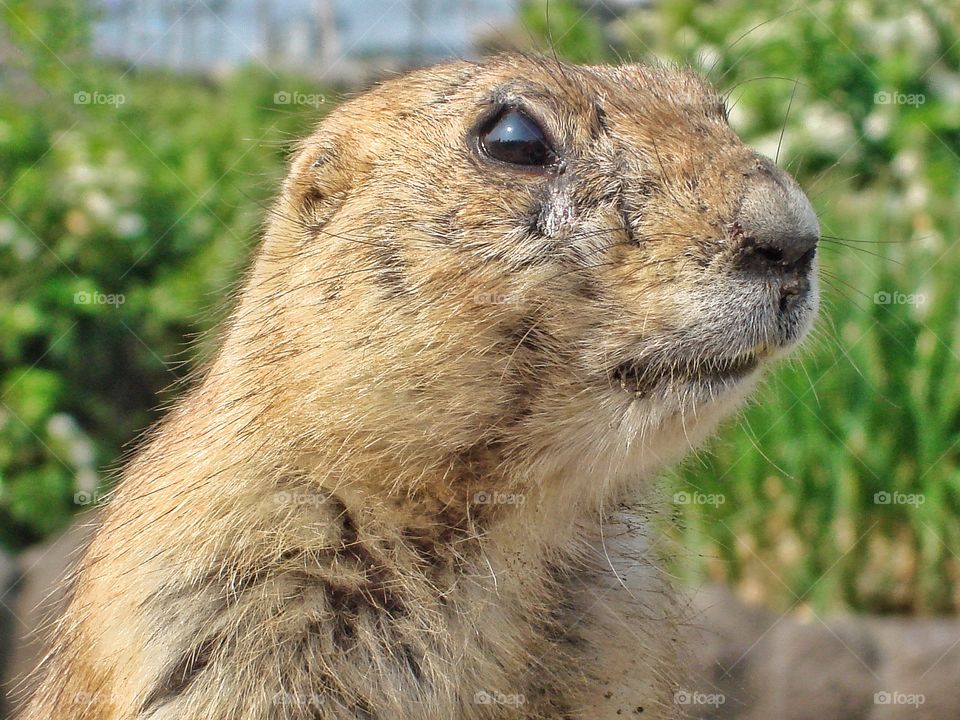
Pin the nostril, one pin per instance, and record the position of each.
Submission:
(806, 260)
(772, 255)
(775, 230)
(784, 254)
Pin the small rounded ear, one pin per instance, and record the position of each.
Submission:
(327, 166)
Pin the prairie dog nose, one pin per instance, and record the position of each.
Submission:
(776, 227)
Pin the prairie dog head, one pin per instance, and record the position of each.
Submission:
(522, 263)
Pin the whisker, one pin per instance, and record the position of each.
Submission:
(732, 45)
(868, 242)
(764, 77)
(832, 281)
(786, 117)
(836, 243)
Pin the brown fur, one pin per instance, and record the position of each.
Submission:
(307, 534)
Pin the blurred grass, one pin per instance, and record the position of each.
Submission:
(840, 486)
(158, 200)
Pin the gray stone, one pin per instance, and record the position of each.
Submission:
(843, 668)
(9, 573)
(39, 598)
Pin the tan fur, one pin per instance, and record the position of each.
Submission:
(302, 537)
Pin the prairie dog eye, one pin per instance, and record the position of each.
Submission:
(514, 137)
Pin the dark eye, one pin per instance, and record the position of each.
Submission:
(513, 137)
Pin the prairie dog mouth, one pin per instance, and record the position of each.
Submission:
(641, 378)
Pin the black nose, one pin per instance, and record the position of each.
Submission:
(775, 229)
(780, 252)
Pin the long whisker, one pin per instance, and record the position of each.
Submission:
(786, 117)
(868, 242)
(729, 92)
(829, 244)
(743, 35)
(831, 283)
(837, 278)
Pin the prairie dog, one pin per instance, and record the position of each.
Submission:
(492, 300)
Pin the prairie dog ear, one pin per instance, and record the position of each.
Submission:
(330, 164)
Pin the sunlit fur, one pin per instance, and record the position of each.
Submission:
(308, 534)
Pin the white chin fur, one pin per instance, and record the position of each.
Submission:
(624, 439)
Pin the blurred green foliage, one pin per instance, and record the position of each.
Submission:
(840, 487)
(129, 202)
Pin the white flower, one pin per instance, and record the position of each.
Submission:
(81, 452)
(917, 34)
(129, 225)
(80, 449)
(828, 129)
(99, 205)
(906, 163)
(709, 56)
(86, 480)
(25, 249)
(81, 174)
(878, 123)
(917, 196)
(741, 118)
(61, 426)
(8, 231)
(945, 84)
